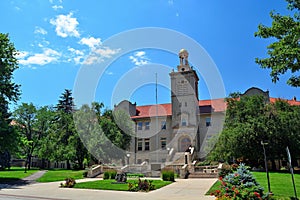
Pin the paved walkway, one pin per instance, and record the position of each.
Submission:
(182, 189)
(25, 181)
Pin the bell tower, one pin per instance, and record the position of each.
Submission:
(185, 106)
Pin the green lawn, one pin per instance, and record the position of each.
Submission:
(60, 175)
(107, 185)
(14, 174)
(281, 184)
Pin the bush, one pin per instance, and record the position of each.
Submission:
(168, 175)
(110, 174)
(106, 175)
(141, 185)
(227, 169)
(70, 182)
(239, 184)
(135, 175)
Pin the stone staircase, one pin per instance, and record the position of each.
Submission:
(203, 175)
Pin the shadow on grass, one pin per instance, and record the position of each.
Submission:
(12, 183)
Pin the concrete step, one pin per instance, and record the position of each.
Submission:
(203, 175)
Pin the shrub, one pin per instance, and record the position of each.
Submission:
(227, 169)
(106, 175)
(141, 185)
(135, 175)
(70, 182)
(239, 184)
(110, 174)
(168, 175)
(113, 174)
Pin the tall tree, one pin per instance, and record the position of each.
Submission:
(25, 116)
(250, 120)
(107, 135)
(9, 92)
(284, 53)
(69, 144)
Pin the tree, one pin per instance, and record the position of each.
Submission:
(25, 116)
(250, 120)
(107, 135)
(9, 92)
(69, 146)
(33, 126)
(284, 53)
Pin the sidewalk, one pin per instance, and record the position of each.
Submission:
(182, 189)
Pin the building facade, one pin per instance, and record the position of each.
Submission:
(164, 132)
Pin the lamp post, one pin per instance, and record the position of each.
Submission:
(128, 156)
(266, 166)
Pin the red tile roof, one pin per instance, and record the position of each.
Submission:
(216, 105)
(291, 102)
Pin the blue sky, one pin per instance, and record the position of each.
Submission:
(56, 38)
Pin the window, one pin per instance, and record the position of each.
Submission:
(163, 143)
(183, 122)
(139, 161)
(140, 145)
(208, 121)
(147, 125)
(163, 125)
(147, 144)
(185, 104)
(140, 125)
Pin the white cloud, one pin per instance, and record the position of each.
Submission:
(91, 42)
(47, 56)
(76, 51)
(22, 54)
(98, 55)
(106, 52)
(40, 30)
(56, 7)
(139, 58)
(76, 55)
(65, 25)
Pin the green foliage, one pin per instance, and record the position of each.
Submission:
(66, 142)
(9, 93)
(250, 120)
(106, 175)
(32, 124)
(105, 134)
(110, 174)
(69, 183)
(227, 169)
(239, 184)
(135, 175)
(141, 185)
(284, 53)
(5, 160)
(168, 175)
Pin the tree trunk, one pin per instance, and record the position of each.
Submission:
(68, 164)
(29, 161)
